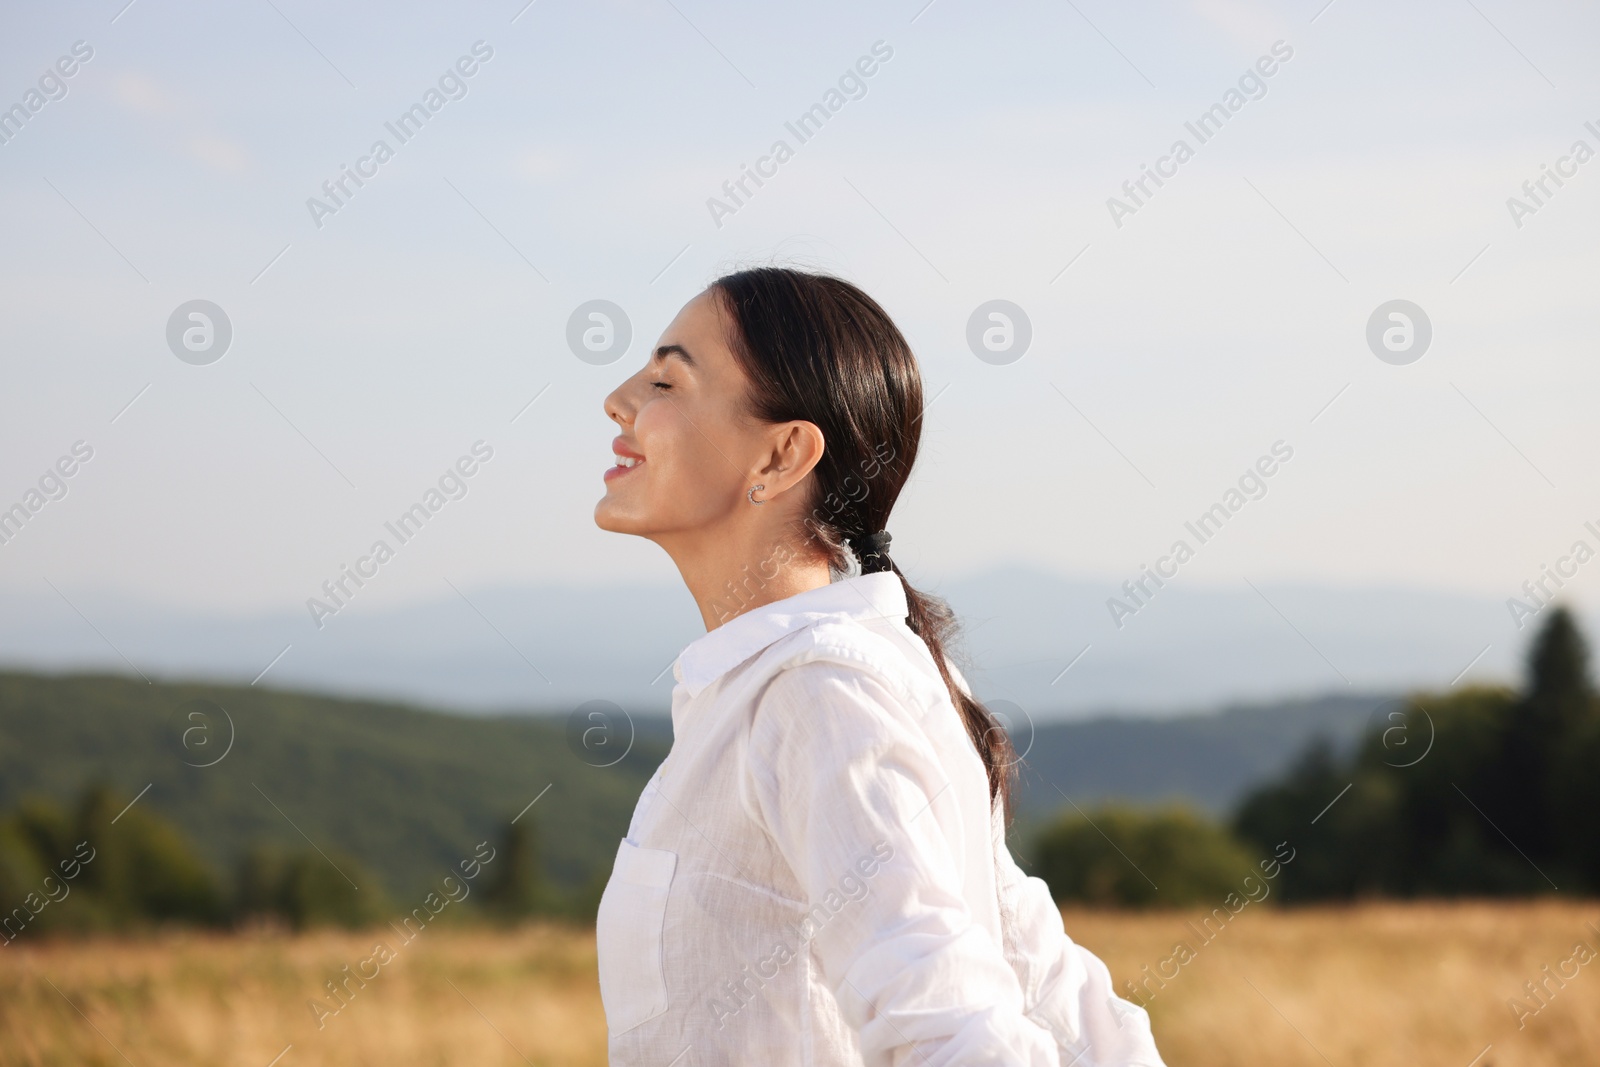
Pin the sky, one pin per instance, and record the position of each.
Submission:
(1179, 333)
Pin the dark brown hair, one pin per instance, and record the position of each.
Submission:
(818, 349)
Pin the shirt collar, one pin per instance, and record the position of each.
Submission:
(868, 596)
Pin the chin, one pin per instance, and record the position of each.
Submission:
(612, 518)
(603, 516)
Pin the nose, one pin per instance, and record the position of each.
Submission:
(618, 408)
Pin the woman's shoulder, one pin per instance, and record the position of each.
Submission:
(885, 647)
(880, 664)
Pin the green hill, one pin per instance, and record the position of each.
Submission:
(405, 790)
(1207, 760)
(408, 791)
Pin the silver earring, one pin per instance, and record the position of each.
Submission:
(752, 494)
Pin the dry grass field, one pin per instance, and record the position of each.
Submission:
(1375, 985)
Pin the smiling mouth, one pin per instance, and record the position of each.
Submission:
(622, 465)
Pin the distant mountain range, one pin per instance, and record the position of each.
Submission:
(1046, 643)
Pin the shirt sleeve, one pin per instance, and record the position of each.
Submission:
(847, 782)
(1065, 987)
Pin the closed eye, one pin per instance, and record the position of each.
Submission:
(661, 385)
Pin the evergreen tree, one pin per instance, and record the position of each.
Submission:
(1562, 702)
(1339, 814)
(1443, 841)
(519, 888)
(1552, 716)
(261, 884)
(1503, 799)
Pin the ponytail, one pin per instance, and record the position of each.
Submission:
(818, 349)
(930, 618)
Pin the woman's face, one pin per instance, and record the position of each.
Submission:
(687, 450)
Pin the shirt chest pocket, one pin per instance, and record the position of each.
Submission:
(628, 936)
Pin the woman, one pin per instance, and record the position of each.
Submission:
(817, 873)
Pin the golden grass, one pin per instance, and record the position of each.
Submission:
(453, 996)
(1373, 985)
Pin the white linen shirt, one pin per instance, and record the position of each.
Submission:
(815, 874)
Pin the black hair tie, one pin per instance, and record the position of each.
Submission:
(872, 551)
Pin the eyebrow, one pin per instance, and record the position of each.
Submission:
(675, 350)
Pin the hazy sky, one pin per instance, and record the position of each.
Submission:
(1226, 311)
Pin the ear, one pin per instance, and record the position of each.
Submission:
(796, 448)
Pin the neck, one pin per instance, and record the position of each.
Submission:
(737, 571)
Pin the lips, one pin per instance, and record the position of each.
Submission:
(626, 460)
